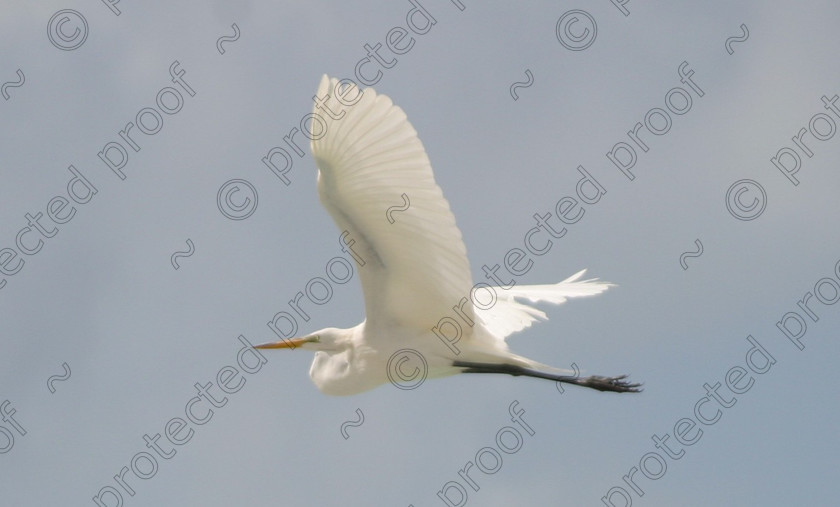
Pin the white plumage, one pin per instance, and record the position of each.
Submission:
(415, 270)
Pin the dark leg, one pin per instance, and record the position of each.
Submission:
(614, 384)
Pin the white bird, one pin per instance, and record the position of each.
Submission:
(414, 271)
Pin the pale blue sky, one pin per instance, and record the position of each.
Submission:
(101, 294)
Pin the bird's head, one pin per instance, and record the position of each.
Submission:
(333, 370)
(328, 340)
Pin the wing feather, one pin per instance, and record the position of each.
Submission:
(415, 269)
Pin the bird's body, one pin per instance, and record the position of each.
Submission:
(413, 267)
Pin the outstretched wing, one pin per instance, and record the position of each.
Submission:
(412, 261)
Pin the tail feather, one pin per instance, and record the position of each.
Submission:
(509, 315)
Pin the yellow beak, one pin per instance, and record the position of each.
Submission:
(292, 343)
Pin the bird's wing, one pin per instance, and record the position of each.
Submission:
(412, 262)
(510, 315)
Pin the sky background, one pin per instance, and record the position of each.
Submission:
(103, 297)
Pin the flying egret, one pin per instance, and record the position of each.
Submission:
(413, 266)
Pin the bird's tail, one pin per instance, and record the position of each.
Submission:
(510, 314)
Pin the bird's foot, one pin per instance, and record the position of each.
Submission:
(614, 384)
